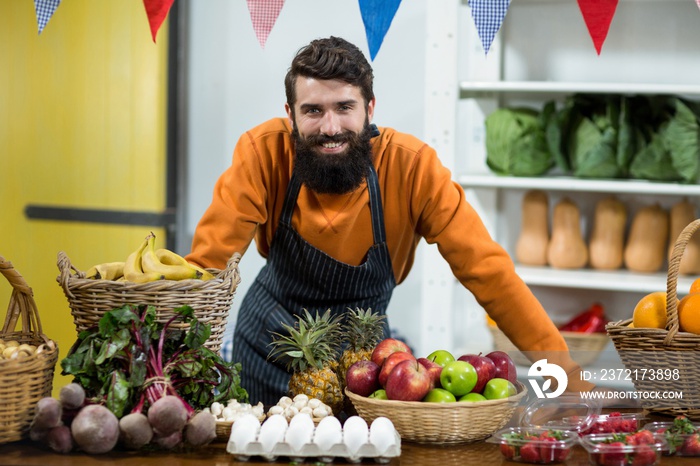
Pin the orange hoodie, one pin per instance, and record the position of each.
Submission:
(420, 200)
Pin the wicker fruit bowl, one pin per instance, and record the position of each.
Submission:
(441, 423)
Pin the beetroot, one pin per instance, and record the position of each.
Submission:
(168, 415)
(60, 439)
(201, 429)
(72, 396)
(168, 442)
(47, 415)
(135, 431)
(95, 429)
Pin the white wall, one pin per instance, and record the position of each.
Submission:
(234, 84)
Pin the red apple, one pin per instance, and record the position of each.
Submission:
(409, 381)
(485, 369)
(505, 367)
(434, 369)
(390, 363)
(362, 377)
(385, 347)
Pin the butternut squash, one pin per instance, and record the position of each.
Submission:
(567, 249)
(647, 240)
(531, 246)
(682, 214)
(607, 241)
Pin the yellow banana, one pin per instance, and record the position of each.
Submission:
(166, 256)
(151, 263)
(133, 269)
(106, 271)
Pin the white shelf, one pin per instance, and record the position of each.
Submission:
(619, 280)
(567, 183)
(480, 87)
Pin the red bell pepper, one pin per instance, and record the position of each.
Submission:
(591, 320)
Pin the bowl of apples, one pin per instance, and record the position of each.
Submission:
(437, 399)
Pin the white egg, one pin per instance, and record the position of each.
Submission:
(244, 431)
(272, 432)
(382, 434)
(355, 434)
(328, 433)
(299, 432)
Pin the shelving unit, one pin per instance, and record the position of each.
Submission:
(526, 65)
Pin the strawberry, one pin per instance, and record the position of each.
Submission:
(529, 453)
(552, 450)
(644, 455)
(691, 445)
(508, 451)
(644, 437)
(612, 454)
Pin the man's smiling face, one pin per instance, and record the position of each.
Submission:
(331, 131)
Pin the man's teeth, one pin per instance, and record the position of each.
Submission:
(331, 145)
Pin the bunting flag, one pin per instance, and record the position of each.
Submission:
(598, 15)
(156, 10)
(698, 2)
(488, 16)
(377, 16)
(44, 11)
(263, 14)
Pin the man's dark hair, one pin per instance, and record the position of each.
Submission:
(331, 58)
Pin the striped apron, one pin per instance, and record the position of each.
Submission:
(299, 276)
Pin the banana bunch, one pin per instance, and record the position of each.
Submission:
(148, 264)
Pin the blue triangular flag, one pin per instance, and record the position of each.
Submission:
(488, 16)
(44, 11)
(377, 16)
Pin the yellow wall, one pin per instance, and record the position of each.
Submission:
(82, 124)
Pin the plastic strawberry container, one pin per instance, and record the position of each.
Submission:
(620, 449)
(678, 444)
(567, 412)
(614, 423)
(534, 445)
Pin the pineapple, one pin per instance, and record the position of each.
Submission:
(363, 330)
(310, 350)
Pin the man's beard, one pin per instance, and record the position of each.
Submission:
(333, 173)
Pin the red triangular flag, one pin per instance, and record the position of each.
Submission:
(156, 10)
(598, 15)
(698, 2)
(263, 14)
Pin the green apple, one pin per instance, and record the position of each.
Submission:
(439, 395)
(379, 394)
(441, 357)
(498, 388)
(473, 397)
(458, 377)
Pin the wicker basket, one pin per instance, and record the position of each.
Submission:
(441, 423)
(211, 300)
(585, 348)
(23, 382)
(643, 350)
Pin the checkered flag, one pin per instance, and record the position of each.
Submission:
(488, 16)
(263, 14)
(44, 11)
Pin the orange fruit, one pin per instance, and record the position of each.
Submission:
(650, 311)
(695, 286)
(689, 313)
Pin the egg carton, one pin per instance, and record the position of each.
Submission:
(301, 439)
(312, 450)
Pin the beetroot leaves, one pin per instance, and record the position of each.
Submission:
(130, 360)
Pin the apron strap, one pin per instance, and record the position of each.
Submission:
(375, 204)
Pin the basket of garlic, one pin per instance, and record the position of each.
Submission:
(27, 359)
(227, 414)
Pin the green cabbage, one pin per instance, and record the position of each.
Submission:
(516, 143)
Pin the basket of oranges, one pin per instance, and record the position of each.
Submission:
(660, 345)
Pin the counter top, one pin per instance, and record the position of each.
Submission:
(27, 453)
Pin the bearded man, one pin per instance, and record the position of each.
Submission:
(338, 206)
